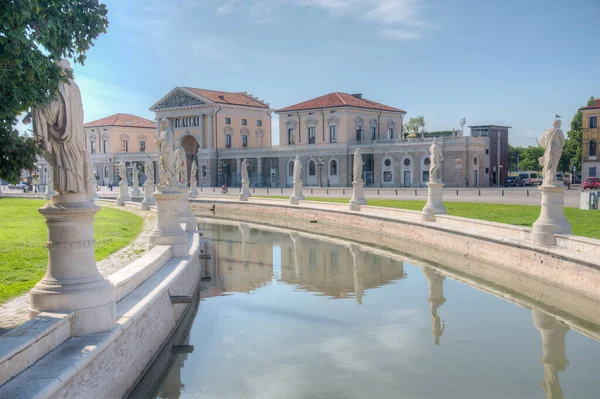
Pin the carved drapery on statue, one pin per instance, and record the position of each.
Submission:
(149, 171)
(134, 174)
(122, 170)
(358, 166)
(245, 171)
(435, 160)
(180, 164)
(552, 142)
(59, 126)
(297, 169)
(164, 146)
(194, 172)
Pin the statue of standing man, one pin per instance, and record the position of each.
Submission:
(297, 169)
(358, 166)
(58, 125)
(245, 171)
(552, 142)
(435, 160)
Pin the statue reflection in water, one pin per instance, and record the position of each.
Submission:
(436, 299)
(554, 355)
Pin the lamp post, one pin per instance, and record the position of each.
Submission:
(320, 162)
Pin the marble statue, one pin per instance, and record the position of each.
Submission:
(122, 170)
(297, 169)
(194, 172)
(134, 174)
(164, 146)
(58, 126)
(435, 159)
(245, 171)
(358, 166)
(180, 164)
(149, 171)
(552, 142)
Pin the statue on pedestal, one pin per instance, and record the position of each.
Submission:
(164, 146)
(435, 159)
(122, 171)
(149, 171)
(297, 169)
(134, 174)
(245, 171)
(358, 166)
(552, 142)
(194, 173)
(58, 127)
(180, 164)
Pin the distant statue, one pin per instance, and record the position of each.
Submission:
(149, 171)
(95, 171)
(58, 126)
(134, 174)
(435, 160)
(194, 172)
(358, 166)
(245, 171)
(552, 142)
(122, 170)
(164, 146)
(297, 169)
(180, 164)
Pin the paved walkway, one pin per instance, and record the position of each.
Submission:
(14, 312)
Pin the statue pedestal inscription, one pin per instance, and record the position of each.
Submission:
(148, 198)
(123, 193)
(358, 195)
(297, 193)
(245, 192)
(435, 205)
(552, 217)
(72, 282)
(167, 230)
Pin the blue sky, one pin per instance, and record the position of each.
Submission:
(493, 62)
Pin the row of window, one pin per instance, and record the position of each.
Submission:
(244, 122)
(186, 122)
(124, 146)
(333, 134)
(593, 122)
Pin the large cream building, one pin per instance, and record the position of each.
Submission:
(590, 138)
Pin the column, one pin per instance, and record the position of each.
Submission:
(260, 172)
(202, 132)
(210, 131)
(238, 172)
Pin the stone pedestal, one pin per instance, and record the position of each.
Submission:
(297, 194)
(148, 200)
(435, 204)
(552, 217)
(136, 189)
(358, 195)
(123, 193)
(245, 192)
(193, 188)
(72, 282)
(185, 213)
(167, 230)
(49, 192)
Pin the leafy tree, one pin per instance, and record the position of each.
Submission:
(529, 159)
(514, 158)
(574, 144)
(34, 35)
(415, 125)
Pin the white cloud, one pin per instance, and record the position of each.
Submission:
(401, 34)
(227, 7)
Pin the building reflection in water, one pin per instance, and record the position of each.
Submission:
(436, 299)
(554, 355)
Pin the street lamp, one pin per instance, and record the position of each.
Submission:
(320, 162)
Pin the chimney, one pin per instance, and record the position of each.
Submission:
(222, 98)
(357, 95)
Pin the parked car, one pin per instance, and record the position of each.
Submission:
(530, 178)
(591, 183)
(19, 186)
(513, 181)
(560, 177)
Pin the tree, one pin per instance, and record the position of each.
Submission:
(529, 159)
(573, 147)
(415, 124)
(34, 35)
(514, 158)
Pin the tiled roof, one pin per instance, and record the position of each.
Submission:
(127, 120)
(223, 97)
(337, 99)
(595, 104)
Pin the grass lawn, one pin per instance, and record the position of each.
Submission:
(23, 236)
(585, 223)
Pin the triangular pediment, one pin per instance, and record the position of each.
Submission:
(178, 98)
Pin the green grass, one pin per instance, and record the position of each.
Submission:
(23, 236)
(585, 223)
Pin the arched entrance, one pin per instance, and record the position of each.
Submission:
(190, 145)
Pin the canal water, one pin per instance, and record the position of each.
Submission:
(291, 315)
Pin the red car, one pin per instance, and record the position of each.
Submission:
(591, 183)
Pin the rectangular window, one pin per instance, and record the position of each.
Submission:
(359, 134)
(333, 134)
(593, 122)
(390, 134)
(244, 122)
(373, 133)
(104, 145)
(291, 136)
(228, 140)
(228, 121)
(425, 175)
(142, 146)
(259, 123)
(592, 172)
(335, 260)
(93, 146)
(487, 151)
(311, 135)
(387, 176)
(124, 146)
(244, 141)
